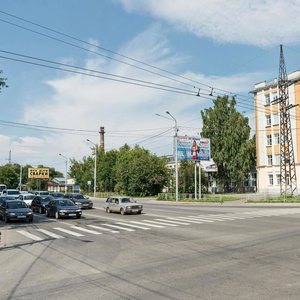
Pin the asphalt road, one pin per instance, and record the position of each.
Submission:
(172, 251)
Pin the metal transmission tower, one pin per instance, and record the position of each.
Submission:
(288, 181)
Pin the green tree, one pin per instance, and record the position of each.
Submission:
(9, 176)
(229, 132)
(140, 173)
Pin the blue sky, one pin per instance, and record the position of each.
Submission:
(227, 45)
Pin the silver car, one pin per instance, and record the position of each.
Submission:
(123, 205)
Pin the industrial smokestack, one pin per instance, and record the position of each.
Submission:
(101, 147)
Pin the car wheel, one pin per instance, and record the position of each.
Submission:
(46, 213)
(5, 219)
(122, 211)
(57, 215)
(78, 216)
(40, 210)
(108, 210)
(139, 212)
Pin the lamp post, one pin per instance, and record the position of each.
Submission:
(95, 166)
(20, 182)
(66, 173)
(175, 149)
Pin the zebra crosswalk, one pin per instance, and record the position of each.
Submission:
(64, 230)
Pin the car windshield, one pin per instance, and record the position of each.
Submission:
(46, 199)
(28, 197)
(44, 193)
(65, 203)
(127, 200)
(16, 204)
(79, 197)
(13, 192)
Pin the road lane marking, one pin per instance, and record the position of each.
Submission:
(159, 223)
(131, 225)
(85, 230)
(69, 231)
(30, 235)
(52, 234)
(104, 229)
(118, 227)
(180, 219)
(173, 222)
(151, 225)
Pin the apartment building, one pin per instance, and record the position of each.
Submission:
(267, 119)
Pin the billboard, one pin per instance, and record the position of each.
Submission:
(193, 148)
(38, 173)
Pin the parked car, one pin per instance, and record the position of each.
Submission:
(57, 194)
(39, 203)
(80, 200)
(62, 208)
(27, 198)
(41, 193)
(15, 210)
(11, 192)
(3, 198)
(123, 205)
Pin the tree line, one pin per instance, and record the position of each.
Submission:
(137, 172)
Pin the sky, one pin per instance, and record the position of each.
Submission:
(75, 65)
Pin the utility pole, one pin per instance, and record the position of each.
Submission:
(288, 180)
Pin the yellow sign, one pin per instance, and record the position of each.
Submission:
(38, 172)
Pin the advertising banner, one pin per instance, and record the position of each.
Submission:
(38, 173)
(193, 148)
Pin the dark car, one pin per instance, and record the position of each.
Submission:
(80, 200)
(57, 194)
(15, 210)
(39, 203)
(62, 208)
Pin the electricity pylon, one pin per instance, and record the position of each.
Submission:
(288, 180)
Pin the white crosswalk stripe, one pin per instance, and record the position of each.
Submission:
(134, 226)
(68, 231)
(180, 219)
(173, 222)
(159, 223)
(30, 235)
(52, 234)
(199, 219)
(151, 225)
(104, 229)
(86, 230)
(118, 227)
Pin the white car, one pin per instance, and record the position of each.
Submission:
(27, 198)
(11, 193)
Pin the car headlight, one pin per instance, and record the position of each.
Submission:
(12, 214)
(129, 207)
(78, 203)
(62, 211)
(29, 213)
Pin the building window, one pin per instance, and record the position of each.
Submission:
(269, 140)
(277, 159)
(270, 160)
(274, 96)
(278, 179)
(268, 120)
(267, 98)
(276, 138)
(275, 119)
(270, 176)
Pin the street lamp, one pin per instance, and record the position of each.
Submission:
(95, 167)
(66, 159)
(176, 155)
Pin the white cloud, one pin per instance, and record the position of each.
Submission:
(253, 22)
(86, 103)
